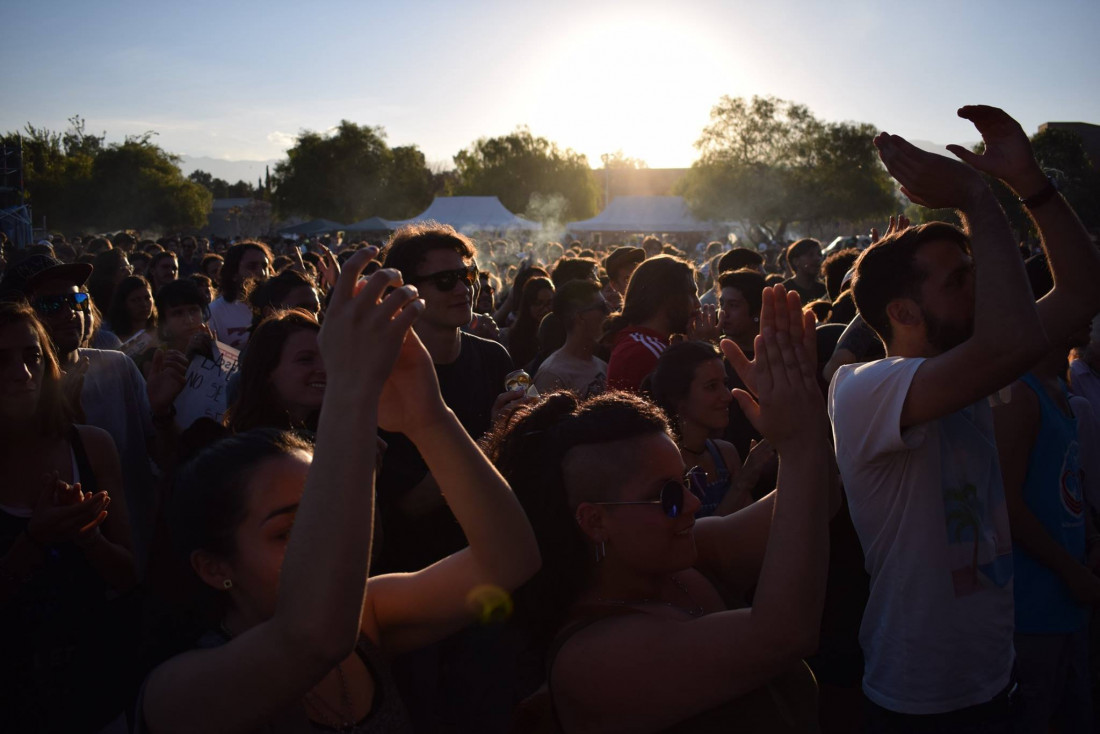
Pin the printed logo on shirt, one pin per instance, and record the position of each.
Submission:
(1069, 484)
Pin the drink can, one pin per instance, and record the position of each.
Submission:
(517, 380)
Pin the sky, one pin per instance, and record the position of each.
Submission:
(238, 80)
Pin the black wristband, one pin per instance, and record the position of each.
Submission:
(1044, 195)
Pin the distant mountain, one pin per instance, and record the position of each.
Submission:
(229, 171)
(940, 148)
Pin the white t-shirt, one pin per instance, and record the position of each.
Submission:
(561, 371)
(928, 505)
(230, 322)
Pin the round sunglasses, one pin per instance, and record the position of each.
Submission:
(672, 493)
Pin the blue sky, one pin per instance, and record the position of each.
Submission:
(238, 80)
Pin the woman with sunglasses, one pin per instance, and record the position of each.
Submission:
(689, 384)
(281, 532)
(636, 635)
(65, 550)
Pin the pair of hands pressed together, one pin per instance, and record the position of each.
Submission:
(371, 352)
(782, 400)
(65, 513)
(936, 181)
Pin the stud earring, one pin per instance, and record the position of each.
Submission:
(227, 584)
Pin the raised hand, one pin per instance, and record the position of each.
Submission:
(330, 268)
(1008, 154)
(704, 325)
(365, 329)
(928, 179)
(788, 401)
(167, 378)
(893, 227)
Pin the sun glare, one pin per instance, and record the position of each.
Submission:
(642, 87)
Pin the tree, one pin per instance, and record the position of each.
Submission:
(525, 172)
(221, 189)
(769, 162)
(1062, 156)
(76, 180)
(351, 174)
(618, 160)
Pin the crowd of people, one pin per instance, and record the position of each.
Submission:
(500, 487)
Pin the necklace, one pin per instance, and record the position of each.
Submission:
(695, 611)
(332, 716)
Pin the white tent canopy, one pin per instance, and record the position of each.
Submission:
(643, 214)
(472, 214)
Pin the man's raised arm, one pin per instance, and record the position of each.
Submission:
(1074, 260)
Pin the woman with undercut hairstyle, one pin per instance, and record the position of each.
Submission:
(636, 636)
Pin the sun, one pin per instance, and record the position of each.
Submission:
(641, 86)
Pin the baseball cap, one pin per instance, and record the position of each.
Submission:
(24, 275)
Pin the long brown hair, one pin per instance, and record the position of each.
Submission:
(257, 405)
(53, 414)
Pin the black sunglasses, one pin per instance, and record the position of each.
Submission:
(50, 305)
(672, 493)
(446, 280)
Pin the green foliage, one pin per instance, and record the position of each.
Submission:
(618, 160)
(524, 172)
(75, 180)
(221, 189)
(1063, 157)
(351, 174)
(769, 162)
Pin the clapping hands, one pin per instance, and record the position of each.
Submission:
(65, 513)
(782, 376)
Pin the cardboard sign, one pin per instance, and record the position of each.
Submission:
(137, 345)
(203, 395)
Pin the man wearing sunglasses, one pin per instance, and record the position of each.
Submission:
(106, 385)
(415, 521)
(580, 306)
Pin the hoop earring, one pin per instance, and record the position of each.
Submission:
(601, 551)
(227, 584)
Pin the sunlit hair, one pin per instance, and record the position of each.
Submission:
(118, 316)
(53, 414)
(654, 282)
(801, 247)
(887, 270)
(577, 268)
(410, 244)
(749, 283)
(738, 258)
(835, 267)
(257, 404)
(533, 453)
(232, 290)
(670, 382)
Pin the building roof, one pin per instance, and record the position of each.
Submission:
(643, 214)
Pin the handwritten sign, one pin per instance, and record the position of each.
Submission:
(203, 395)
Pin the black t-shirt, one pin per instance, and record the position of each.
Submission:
(469, 386)
(813, 293)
